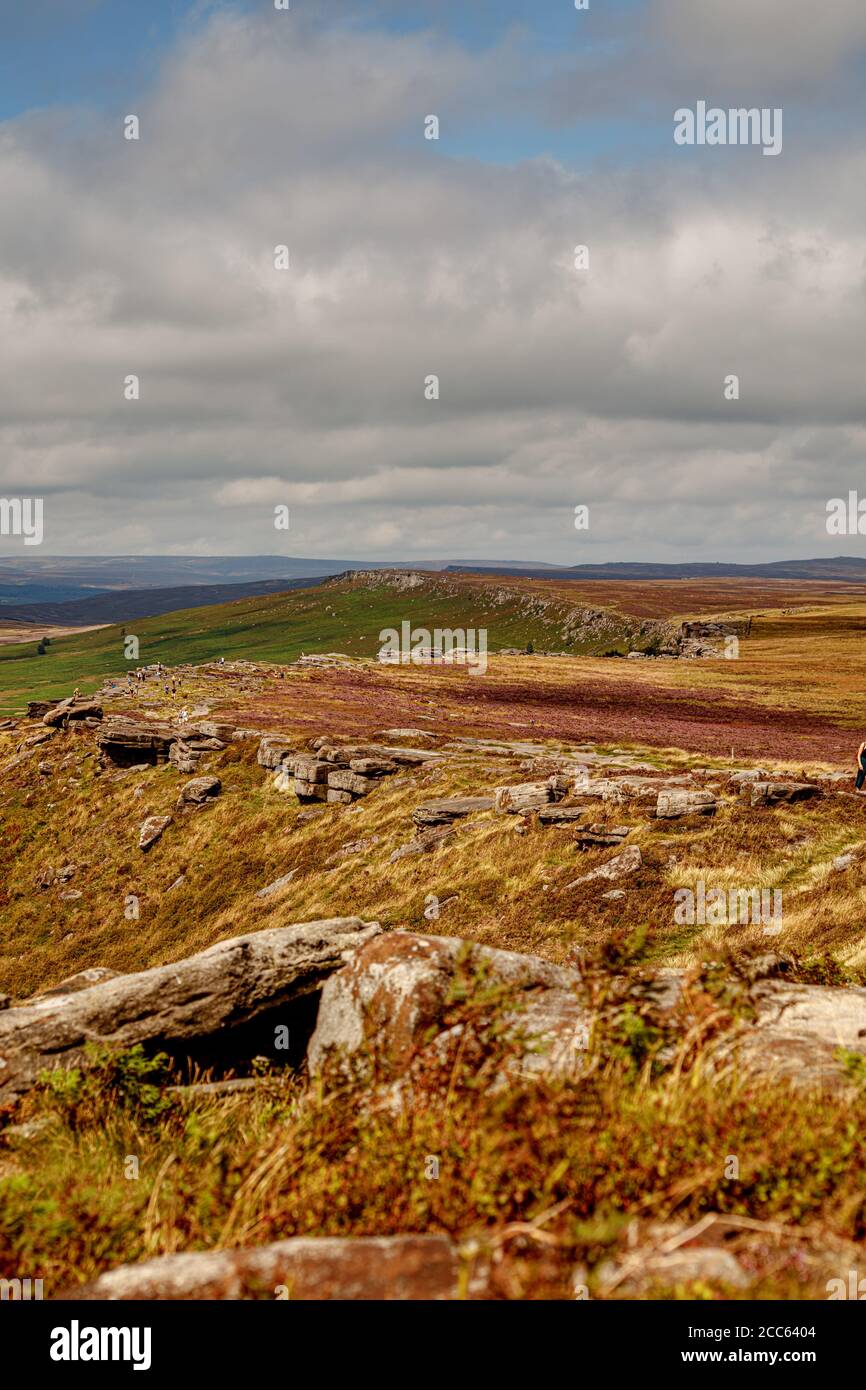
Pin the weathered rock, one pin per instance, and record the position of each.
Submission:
(302, 1269)
(82, 979)
(277, 884)
(353, 848)
(311, 770)
(799, 1032)
(338, 797)
(638, 1272)
(37, 708)
(272, 750)
(200, 998)
(675, 802)
(346, 781)
(560, 815)
(182, 757)
(312, 791)
(528, 796)
(199, 790)
(598, 836)
(424, 843)
(126, 741)
(373, 767)
(72, 709)
(394, 993)
(448, 809)
(218, 729)
(628, 862)
(774, 793)
(151, 830)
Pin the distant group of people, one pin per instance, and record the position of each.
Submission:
(141, 674)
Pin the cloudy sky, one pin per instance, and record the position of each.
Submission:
(411, 257)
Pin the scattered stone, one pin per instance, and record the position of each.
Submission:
(844, 861)
(151, 830)
(302, 1268)
(449, 809)
(424, 843)
(774, 793)
(628, 862)
(355, 847)
(304, 817)
(277, 884)
(199, 790)
(640, 1271)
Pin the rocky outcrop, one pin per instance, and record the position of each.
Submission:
(673, 803)
(448, 809)
(335, 772)
(528, 796)
(383, 1007)
(66, 710)
(124, 741)
(208, 996)
(775, 793)
(393, 1268)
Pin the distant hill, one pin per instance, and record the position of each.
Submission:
(75, 591)
(846, 568)
(125, 605)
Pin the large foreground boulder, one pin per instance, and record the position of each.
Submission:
(802, 1033)
(69, 709)
(204, 997)
(301, 1269)
(389, 1003)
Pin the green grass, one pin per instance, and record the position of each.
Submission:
(275, 628)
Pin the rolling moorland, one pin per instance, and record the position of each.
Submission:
(706, 1142)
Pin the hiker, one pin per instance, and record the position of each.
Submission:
(861, 768)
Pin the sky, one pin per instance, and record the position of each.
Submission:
(605, 386)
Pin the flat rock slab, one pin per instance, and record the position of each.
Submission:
(560, 815)
(675, 802)
(195, 999)
(776, 793)
(396, 1268)
(627, 862)
(451, 808)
